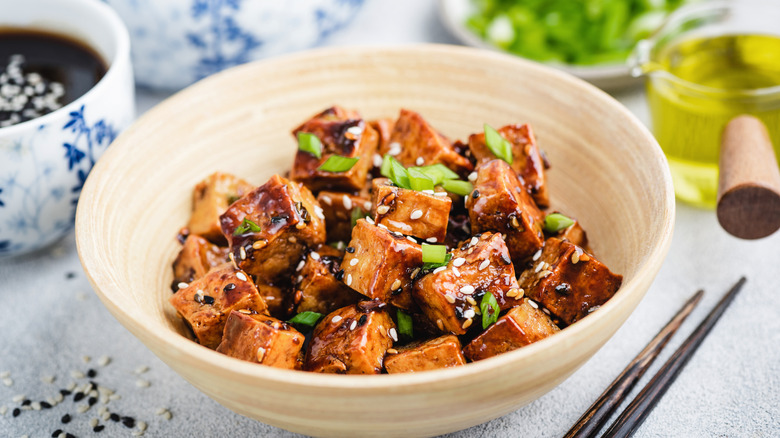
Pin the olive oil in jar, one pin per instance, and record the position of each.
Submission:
(695, 87)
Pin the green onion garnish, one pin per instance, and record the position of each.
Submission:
(497, 144)
(405, 327)
(462, 188)
(437, 172)
(430, 266)
(337, 163)
(232, 199)
(310, 143)
(245, 226)
(399, 175)
(306, 318)
(357, 213)
(433, 253)
(489, 308)
(386, 163)
(418, 180)
(555, 222)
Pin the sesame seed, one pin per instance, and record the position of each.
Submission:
(533, 304)
(47, 379)
(575, 258)
(382, 209)
(485, 263)
(142, 426)
(546, 311)
(428, 191)
(431, 240)
(393, 334)
(241, 276)
(349, 279)
(467, 323)
(439, 269)
(439, 324)
(369, 220)
(315, 255)
(353, 262)
(104, 360)
(471, 301)
(377, 160)
(3, 410)
(105, 416)
(415, 272)
(473, 176)
(182, 285)
(355, 130)
(450, 299)
(537, 255)
(82, 408)
(367, 205)
(71, 386)
(142, 383)
(242, 253)
(93, 422)
(141, 369)
(5, 374)
(382, 226)
(18, 398)
(76, 374)
(395, 148)
(417, 214)
(539, 267)
(160, 411)
(167, 415)
(440, 194)
(467, 289)
(336, 319)
(300, 266)
(114, 397)
(545, 273)
(514, 222)
(474, 241)
(347, 202)
(455, 271)
(86, 359)
(419, 161)
(319, 212)
(469, 313)
(260, 354)
(458, 261)
(411, 239)
(300, 225)
(353, 325)
(389, 351)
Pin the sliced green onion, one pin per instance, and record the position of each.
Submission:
(337, 163)
(245, 226)
(310, 143)
(306, 318)
(418, 180)
(433, 253)
(436, 172)
(357, 213)
(232, 199)
(490, 310)
(386, 164)
(555, 222)
(405, 327)
(430, 266)
(462, 188)
(399, 175)
(497, 144)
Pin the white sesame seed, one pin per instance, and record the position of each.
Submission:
(450, 299)
(420, 161)
(396, 284)
(142, 426)
(47, 379)
(300, 266)
(417, 214)
(473, 176)
(299, 279)
(315, 255)
(349, 279)
(369, 220)
(353, 262)
(137, 433)
(167, 415)
(455, 271)
(395, 148)
(59, 397)
(575, 258)
(382, 209)
(474, 241)
(5, 374)
(82, 409)
(442, 194)
(471, 301)
(428, 191)
(458, 261)
(467, 323)
(260, 354)
(485, 263)
(114, 397)
(539, 267)
(182, 285)
(469, 313)
(545, 273)
(141, 369)
(439, 269)
(355, 130)
(142, 383)
(18, 398)
(160, 411)
(336, 319)
(467, 289)
(432, 240)
(71, 386)
(411, 239)
(377, 160)
(393, 334)
(347, 202)
(367, 205)
(353, 325)
(546, 311)
(382, 226)
(533, 304)
(76, 374)
(537, 255)
(93, 422)
(439, 324)
(241, 276)
(3, 410)
(326, 199)
(242, 252)
(104, 360)
(318, 211)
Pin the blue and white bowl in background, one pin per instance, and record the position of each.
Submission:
(45, 161)
(177, 42)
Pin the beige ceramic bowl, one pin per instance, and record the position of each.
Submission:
(607, 170)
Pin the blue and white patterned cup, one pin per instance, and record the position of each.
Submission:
(177, 42)
(45, 161)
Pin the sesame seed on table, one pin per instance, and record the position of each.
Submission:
(52, 323)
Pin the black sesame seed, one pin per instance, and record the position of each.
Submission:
(26, 402)
(92, 385)
(208, 299)
(475, 194)
(362, 319)
(397, 291)
(563, 289)
(45, 405)
(92, 401)
(65, 419)
(98, 428)
(79, 396)
(16, 412)
(128, 422)
(278, 219)
(91, 373)
(114, 417)
(70, 275)
(228, 287)
(56, 433)
(350, 249)
(65, 392)
(70, 435)
(339, 275)
(505, 258)
(459, 312)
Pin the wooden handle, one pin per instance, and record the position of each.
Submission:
(749, 184)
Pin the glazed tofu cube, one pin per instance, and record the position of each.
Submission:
(278, 297)
(575, 234)
(521, 326)
(568, 282)
(450, 296)
(416, 143)
(442, 352)
(379, 264)
(197, 257)
(269, 228)
(206, 303)
(499, 203)
(383, 127)
(318, 285)
(526, 158)
(341, 133)
(351, 340)
(338, 208)
(261, 339)
(411, 212)
(210, 199)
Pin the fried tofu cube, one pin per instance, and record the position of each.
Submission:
(499, 203)
(206, 303)
(383, 127)
(261, 339)
(197, 257)
(521, 326)
(575, 234)
(210, 198)
(341, 133)
(351, 340)
(278, 298)
(526, 158)
(269, 228)
(450, 297)
(380, 264)
(318, 285)
(568, 282)
(442, 352)
(411, 212)
(338, 208)
(414, 142)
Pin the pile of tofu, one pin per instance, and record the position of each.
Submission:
(348, 246)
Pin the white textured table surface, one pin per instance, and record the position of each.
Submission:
(50, 320)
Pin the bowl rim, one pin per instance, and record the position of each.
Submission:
(189, 350)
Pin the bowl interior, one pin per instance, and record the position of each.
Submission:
(606, 170)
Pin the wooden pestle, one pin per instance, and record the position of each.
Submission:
(749, 182)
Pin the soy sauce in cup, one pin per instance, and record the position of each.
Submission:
(41, 72)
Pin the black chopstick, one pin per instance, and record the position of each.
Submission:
(599, 412)
(636, 412)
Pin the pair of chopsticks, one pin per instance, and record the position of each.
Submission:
(634, 415)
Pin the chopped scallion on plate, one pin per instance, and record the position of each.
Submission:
(310, 143)
(497, 144)
(489, 308)
(555, 222)
(306, 318)
(337, 163)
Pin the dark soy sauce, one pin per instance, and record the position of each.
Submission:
(41, 72)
